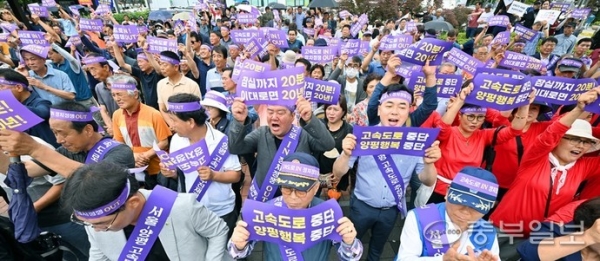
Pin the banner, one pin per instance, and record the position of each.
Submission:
(4, 37)
(277, 37)
(518, 8)
(298, 229)
(125, 33)
(310, 32)
(343, 14)
(411, 27)
(355, 28)
(376, 140)
(318, 91)
(9, 27)
(74, 10)
(256, 48)
(520, 61)
(90, 25)
(406, 70)
(426, 49)
(562, 7)
(498, 92)
(49, 3)
(525, 33)
(501, 72)
(103, 9)
(157, 45)
(142, 29)
(351, 47)
(502, 38)
(14, 115)
(499, 20)
(397, 42)
(192, 157)
(281, 87)
(244, 36)
(247, 64)
(247, 18)
(547, 15)
(464, 61)
(40, 11)
(32, 37)
(560, 91)
(581, 13)
(319, 54)
(365, 47)
(73, 40)
(448, 85)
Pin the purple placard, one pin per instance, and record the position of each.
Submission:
(192, 157)
(142, 29)
(281, 87)
(48, 3)
(344, 14)
(192, 22)
(498, 92)
(9, 27)
(179, 25)
(255, 47)
(125, 33)
(563, 7)
(318, 91)
(499, 20)
(298, 229)
(164, 157)
(559, 90)
(411, 27)
(395, 42)
(365, 47)
(525, 33)
(14, 115)
(276, 15)
(319, 54)
(40, 11)
(500, 72)
(73, 40)
(464, 61)
(278, 38)
(520, 61)
(406, 70)
(448, 85)
(157, 45)
(310, 32)
(244, 36)
(103, 9)
(247, 64)
(74, 10)
(91, 25)
(32, 38)
(426, 49)
(247, 18)
(4, 37)
(376, 140)
(502, 38)
(476, 184)
(351, 47)
(362, 20)
(581, 13)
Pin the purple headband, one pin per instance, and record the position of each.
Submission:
(184, 106)
(169, 60)
(471, 109)
(519, 43)
(404, 95)
(109, 208)
(7, 82)
(215, 97)
(225, 28)
(291, 108)
(123, 86)
(207, 46)
(93, 59)
(570, 63)
(428, 35)
(234, 46)
(76, 116)
(299, 169)
(142, 56)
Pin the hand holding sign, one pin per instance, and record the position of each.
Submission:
(205, 173)
(239, 110)
(588, 98)
(428, 70)
(346, 230)
(348, 144)
(240, 235)
(169, 173)
(433, 153)
(393, 63)
(304, 108)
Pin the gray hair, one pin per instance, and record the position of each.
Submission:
(123, 78)
(449, 65)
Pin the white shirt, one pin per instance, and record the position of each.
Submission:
(484, 17)
(411, 246)
(219, 197)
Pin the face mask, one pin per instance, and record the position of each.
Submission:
(351, 73)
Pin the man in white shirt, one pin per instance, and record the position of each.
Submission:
(485, 16)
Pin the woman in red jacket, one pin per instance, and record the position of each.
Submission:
(551, 171)
(463, 145)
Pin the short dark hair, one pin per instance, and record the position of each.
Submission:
(587, 212)
(228, 69)
(109, 26)
(170, 54)
(76, 107)
(347, 26)
(550, 39)
(195, 36)
(307, 64)
(317, 67)
(585, 39)
(104, 180)
(370, 77)
(265, 58)
(198, 116)
(220, 50)
(342, 102)
(217, 33)
(452, 33)
(12, 75)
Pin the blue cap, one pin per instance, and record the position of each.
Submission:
(474, 187)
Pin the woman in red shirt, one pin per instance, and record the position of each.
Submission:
(463, 145)
(551, 171)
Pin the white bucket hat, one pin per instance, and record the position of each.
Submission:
(215, 99)
(582, 129)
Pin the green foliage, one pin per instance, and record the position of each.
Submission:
(132, 15)
(384, 9)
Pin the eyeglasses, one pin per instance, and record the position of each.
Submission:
(299, 193)
(353, 65)
(77, 221)
(193, 42)
(472, 117)
(575, 141)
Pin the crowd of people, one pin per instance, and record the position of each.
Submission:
(494, 185)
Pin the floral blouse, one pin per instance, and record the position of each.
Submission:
(358, 116)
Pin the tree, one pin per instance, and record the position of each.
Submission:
(384, 9)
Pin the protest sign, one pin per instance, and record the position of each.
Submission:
(463, 61)
(559, 90)
(164, 157)
(90, 25)
(501, 72)
(562, 7)
(499, 20)
(103, 9)
(310, 32)
(376, 140)
(525, 33)
(247, 18)
(13, 114)
(355, 28)
(244, 36)
(365, 47)
(192, 157)
(256, 48)
(319, 54)
(32, 37)
(428, 49)
(49, 3)
(281, 87)
(344, 14)
(319, 91)
(247, 64)
(73, 40)
(498, 92)
(549, 16)
(277, 37)
(125, 33)
(9, 27)
(157, 45)
(581, 13)
(518, 8)
(351, 47)
(502, 38)
(395, 42)
(4, 37)
(448, 85)
(298, 229)
(142, 29)
(406, 70)
(411, 27)
(74, 10)
(520, 61)
(40, 11)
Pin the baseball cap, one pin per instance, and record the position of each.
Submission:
(474, 187)
(570, 65)
(320, 42)
(299, 171)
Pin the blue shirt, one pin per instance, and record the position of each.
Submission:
(376, 68)
(299, 18)
(41, 108)
(296, 44)
(55, 79)
(68, 27)
(80, 83)
(530, 46)
(528, 250)
(203, 68)
(371, 187)
(213, 81)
